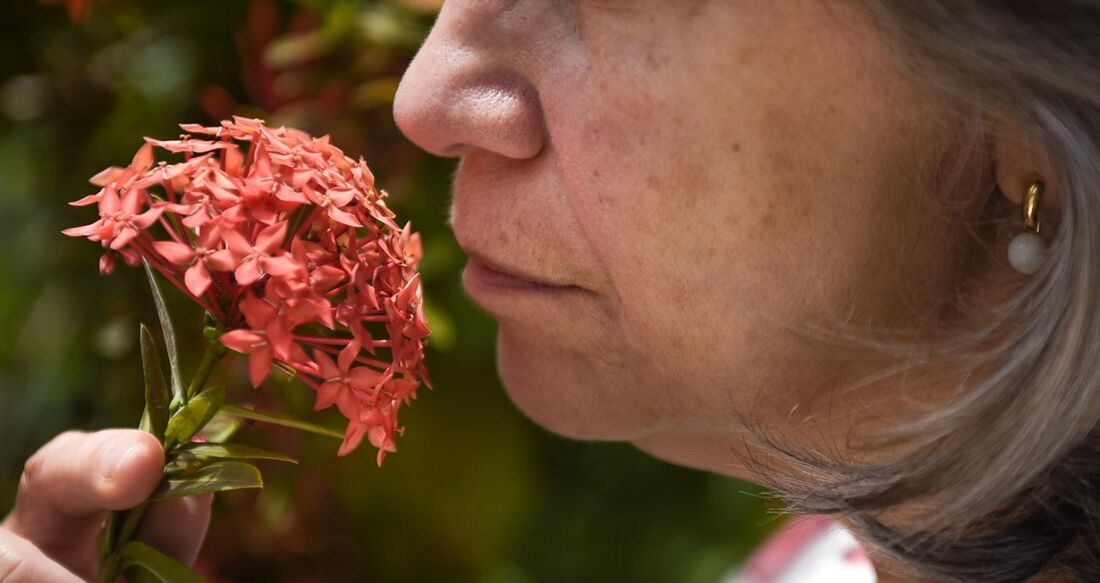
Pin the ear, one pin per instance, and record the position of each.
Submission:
(1019, 159)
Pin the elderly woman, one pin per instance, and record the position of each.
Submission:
(847, 249)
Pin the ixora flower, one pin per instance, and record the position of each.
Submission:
(288, 245)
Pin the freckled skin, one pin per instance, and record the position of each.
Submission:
(708, 171)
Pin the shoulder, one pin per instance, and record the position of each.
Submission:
(812, 549)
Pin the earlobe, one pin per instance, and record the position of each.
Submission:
(1020, 159)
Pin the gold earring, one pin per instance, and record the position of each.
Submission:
(1027, 250)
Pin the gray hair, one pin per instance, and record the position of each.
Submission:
(1003, 482)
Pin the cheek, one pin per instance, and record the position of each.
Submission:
(728, 220)
(687, 257)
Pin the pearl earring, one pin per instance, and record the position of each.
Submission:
(1027, 250)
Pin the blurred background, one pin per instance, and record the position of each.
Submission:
(476, 492)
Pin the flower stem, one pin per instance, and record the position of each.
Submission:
(111, 566)
(123, 525)
(214, 352)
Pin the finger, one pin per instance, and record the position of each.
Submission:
(22, 562)
(67, 485)
(177, 527)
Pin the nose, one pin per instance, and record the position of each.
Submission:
(465, 90)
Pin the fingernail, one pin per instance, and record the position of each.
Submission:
(110, 461)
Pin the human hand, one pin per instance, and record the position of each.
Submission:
(67, 489)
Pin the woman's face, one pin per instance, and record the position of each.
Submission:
(684, 178)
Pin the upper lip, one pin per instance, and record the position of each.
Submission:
(513, 271)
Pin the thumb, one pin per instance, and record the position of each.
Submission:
(69, 484)
(22, 562)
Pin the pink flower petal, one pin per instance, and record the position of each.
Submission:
(341, 197)
(243, 341)
(327, 395)
(343, 217)
(296, 357)
(278, 333)
(233, 160)
(177, 208)
(143, 160)
(266, 214)
(176, 253)
(288, 194)
(302, 176)
(107, 176)
(378, 438)
(348, 354)
(259, 365)
(147, 218)
(407, 294)
(209, 238)
(282, 266)
(248, 273)
(347, 404)
(236, 242)
(196, 220)
(364, 379)
(197, 279)
(223, 260)
(125, 235)
(257, 312)
(88, 200)
(131, 201)
(352, 438)
(109, 203)
(271, 238)
(328, 368)
(194, 128)
(84, 231)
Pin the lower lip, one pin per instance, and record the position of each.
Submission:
(481, 277)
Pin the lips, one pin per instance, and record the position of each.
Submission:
(486, 273)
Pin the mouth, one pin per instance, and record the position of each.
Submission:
(485, 273)
(484, 279)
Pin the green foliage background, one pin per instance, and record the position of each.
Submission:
(476, 492)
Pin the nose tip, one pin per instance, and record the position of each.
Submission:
(452, 101)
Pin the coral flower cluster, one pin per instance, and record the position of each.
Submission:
(289, 245)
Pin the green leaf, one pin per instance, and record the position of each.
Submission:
(219, 477)
(233, 451)
(138, 574)
(220, 429)
(162, 566)
(283, 420)
(155, 419)
(193, 416)
(169, 333)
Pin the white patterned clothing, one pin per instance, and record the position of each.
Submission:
(812, 549)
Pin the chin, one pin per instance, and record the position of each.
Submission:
(557, 391)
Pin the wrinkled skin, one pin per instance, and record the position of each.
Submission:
(700, 173)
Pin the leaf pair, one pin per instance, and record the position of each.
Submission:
(193, 416)
(218, 476)
(158, 401)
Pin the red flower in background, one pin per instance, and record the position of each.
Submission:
(287, 242)
(78, 9)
